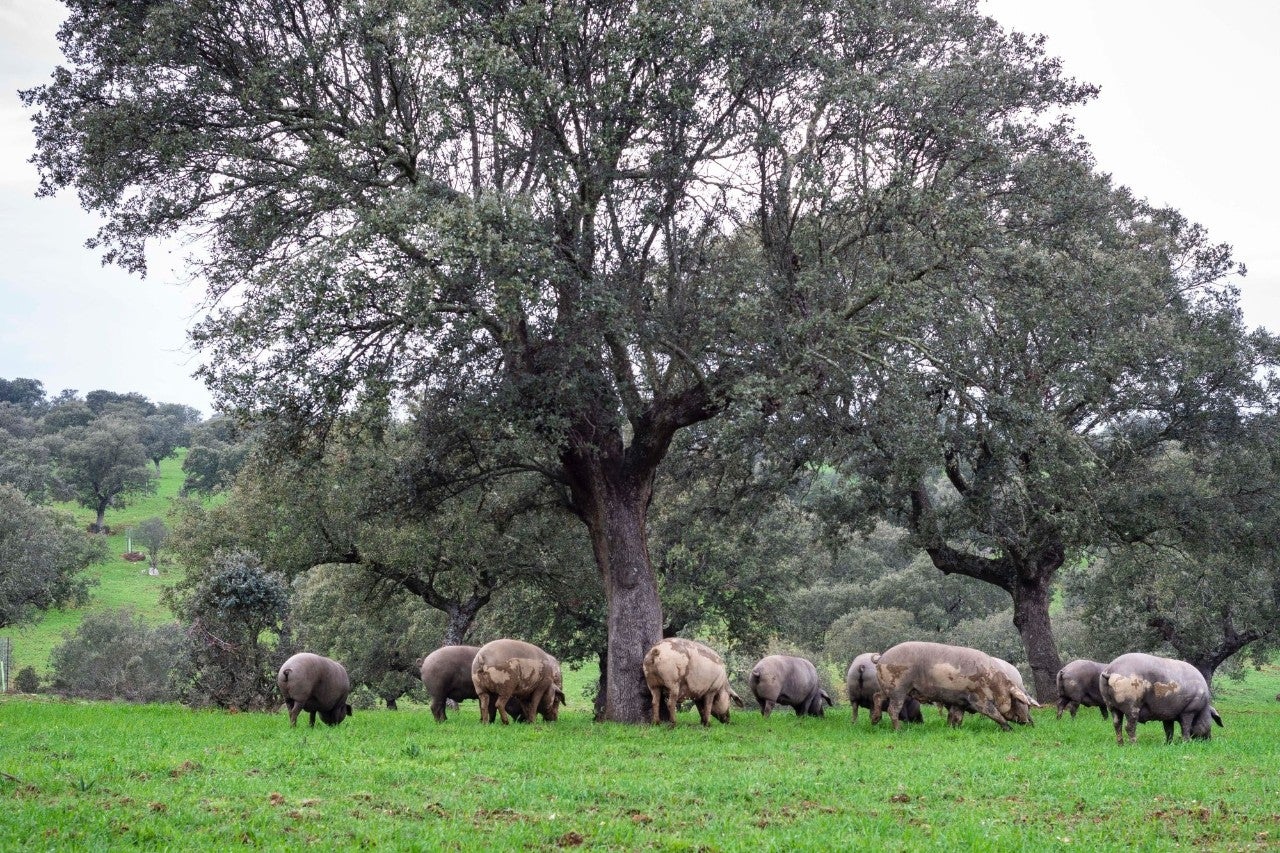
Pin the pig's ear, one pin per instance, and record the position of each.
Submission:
(560, 697)
(1214, 713)
(737, 700)
(1019, 693)
(350, 713)
(827, 698)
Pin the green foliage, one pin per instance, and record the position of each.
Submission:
(104, 464)
(27, 681)
(216, 453)
(105, 775)
(236, 616)
(151, 533)
(1196, 571)
(115, 654)
(867, 629)
(994, 634)
(43, 558)
(24, 393)
(376, 630)
(26, 459)
(166, 429)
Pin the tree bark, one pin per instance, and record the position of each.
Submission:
(461, 616)
(1031, 618)
(635, 612)
(612, 497)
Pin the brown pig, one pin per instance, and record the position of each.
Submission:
(512, 669)
(961, 678)
(677, 669)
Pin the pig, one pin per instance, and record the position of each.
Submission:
(1146, 687)
(315, 684)
(677, 669)
(961, 678)
(863, 685)
(1021, 712)
(512, 669)
(786, 680)
(1078, 685)
(446, 675)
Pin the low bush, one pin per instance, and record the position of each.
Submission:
(27, 681)
(115, 654)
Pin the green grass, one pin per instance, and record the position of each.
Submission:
(102, 775)
(119, 583)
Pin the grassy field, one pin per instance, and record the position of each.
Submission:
(101, 775)
(120, 583)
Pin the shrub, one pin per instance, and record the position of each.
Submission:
(236, 614)
(26, 681)
(994, 634)
(868, 631)
(117, 655)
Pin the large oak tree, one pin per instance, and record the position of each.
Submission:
(572, 228)
(1089, 329)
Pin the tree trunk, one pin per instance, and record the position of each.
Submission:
(99, 526)
(1031, 618)
(461, 617)
(635, 613)
(613, 500)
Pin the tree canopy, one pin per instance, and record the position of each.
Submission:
(1087, 328)
(42, 558)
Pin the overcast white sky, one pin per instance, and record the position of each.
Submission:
(1187, 117)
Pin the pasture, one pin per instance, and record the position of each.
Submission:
(118, 583)
(106, 775)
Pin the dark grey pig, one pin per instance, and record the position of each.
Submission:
(446, 674)
(315, 684)
(1147, 687)
(786, 680)
(1078, 686)
(863, 685)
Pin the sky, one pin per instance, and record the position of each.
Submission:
(1187, 117)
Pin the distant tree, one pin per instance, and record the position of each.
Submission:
(1042, 372)
(26, 393)
(66, 412)
(104, 465)
(26, 458)
(127, 405)
(236, 616)
(167, 429)
(152, 534)
(42, 559)
(215, 453)
(1196, 565)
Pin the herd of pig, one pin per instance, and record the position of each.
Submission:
(511, 678)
